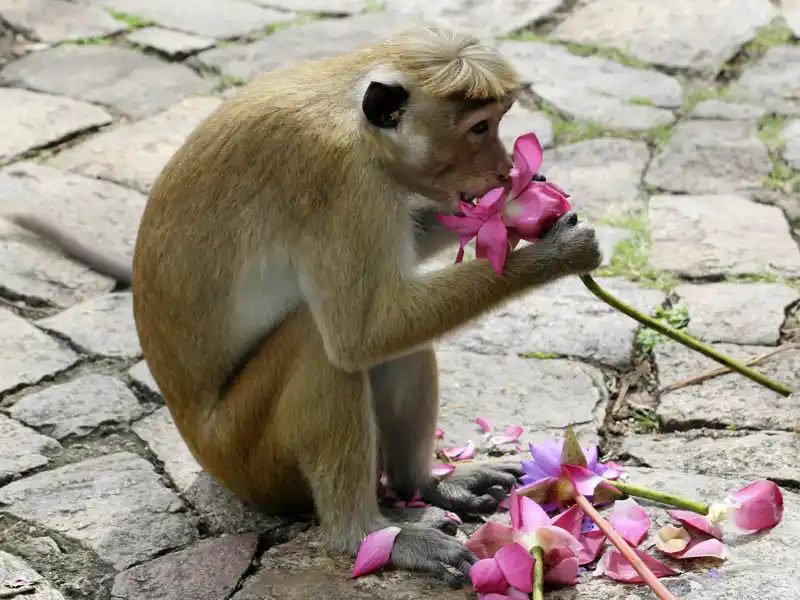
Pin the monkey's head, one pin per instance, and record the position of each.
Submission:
(434, 101)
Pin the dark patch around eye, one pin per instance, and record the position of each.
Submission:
(383, 104)
(480, 127)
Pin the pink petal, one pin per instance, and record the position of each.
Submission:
(613, 470)
(489, 538)
(484, 425)
(563, 567)
(462, 225)
(614, 565)
(453, 516)
(492, 243)
(761, 506)
(526, 515)
(541, 490)
(510, 435)
(439, 433)
(672, 540)
(550, 537)
(487, 577)
(513, 593)
(491, 203)
(375, 551)
(605, 493)
(582, 478)
(517, 565)
(442, 470)
(696, 521)
(499, 597)
(570, 520)
(592, 543)
(528, 157)
(702, 548)
(465, 452)
(505, 503)
(630, 520)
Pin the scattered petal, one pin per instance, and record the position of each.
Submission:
(561, 567)
(439, 433)
(442, 470)
(484, 425)
(710, 547)
(489, 538)
(611, 470)
(487, 577)
(505, 503)
(584, 480)
(672, 540)
(517, 566)
(696, 521)
(453, 517)
(572, 453)
(465, 452)
(630, 520)
(759, 506)
(614, 565)
(550, 537)
(571, 520)
(375, 551)
(509, 436)
(592, 543)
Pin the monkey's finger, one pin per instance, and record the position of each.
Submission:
(485, 478)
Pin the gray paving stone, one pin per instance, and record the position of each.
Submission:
(221, 512)
(27, 354)
(519, 121)
(208, 570)
(141, 374)
(595, 89)
(508, 390)
(158, 431)
(116, 504)
(327, 37)
(562, 318)
(54, 21)
(790, 10)
(78, 407)
(12, 566)
(791, 138)
(759, 567)
(759, 455)
(323, 7)
(730, 399)
(102, 325)
(484, 19)
(690, 239)
(711, 157)
(175, 44)
(773, 81)
(210, 18)
(40, 273)
(23, 449)
(727, 111)
(38, 548)
(134, 154)
(738, 313)
(130, 82)
(30, 120)
(680, 34)
(602, 176)
(609, 238)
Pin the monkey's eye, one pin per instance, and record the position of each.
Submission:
(480, 127)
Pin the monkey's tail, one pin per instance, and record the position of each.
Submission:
(74, 248)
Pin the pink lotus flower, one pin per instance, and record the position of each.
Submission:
(510, 547)
(614, 565)
(500, 220)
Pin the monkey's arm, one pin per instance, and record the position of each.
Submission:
(431, 237)
(368, 310)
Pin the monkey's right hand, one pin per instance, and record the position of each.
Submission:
(426, 549)
(569, 246)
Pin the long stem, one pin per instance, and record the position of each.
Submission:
(682, 338)
(538, 574)
(620, 544)
(700, 508)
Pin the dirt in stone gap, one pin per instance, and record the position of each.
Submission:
(75, 571)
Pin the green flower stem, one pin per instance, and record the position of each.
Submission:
(538, 574)
(701, 508)
(682, 338)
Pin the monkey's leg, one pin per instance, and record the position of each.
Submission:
(406, 400)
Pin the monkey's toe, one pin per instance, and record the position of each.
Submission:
(429, 550)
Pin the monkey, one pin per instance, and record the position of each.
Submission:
(275, 290)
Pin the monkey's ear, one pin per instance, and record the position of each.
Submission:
(383, 104)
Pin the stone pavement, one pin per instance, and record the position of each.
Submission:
(674, 124)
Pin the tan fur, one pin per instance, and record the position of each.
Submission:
(273, 276)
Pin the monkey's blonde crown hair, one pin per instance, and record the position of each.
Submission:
(446, 64)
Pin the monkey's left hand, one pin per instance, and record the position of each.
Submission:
(474, 487)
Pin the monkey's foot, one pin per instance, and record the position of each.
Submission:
(426, 549)
(474, 487)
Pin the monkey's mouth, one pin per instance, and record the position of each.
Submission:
(467, 198)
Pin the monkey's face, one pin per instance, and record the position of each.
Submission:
(444, 150)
